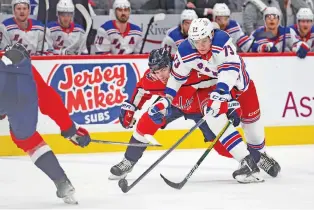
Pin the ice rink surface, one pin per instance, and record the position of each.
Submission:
(210, 187)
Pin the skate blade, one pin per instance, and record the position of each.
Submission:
(70, 200)
(114, 177)
(253, 178)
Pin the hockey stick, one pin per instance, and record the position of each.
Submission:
(45, 28)
(89, 22)
(123, 183)
(155, 18)
(198, 163)
(286, 23)
(125, 143)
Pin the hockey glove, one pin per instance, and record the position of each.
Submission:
(234, 112)
(218, 103)
(273, 49)
(78, 136)
(126, 114)
(303, 50)
(2, 116)
(160, 110)
(266, 47)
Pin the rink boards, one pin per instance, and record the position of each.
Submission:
(94, 87)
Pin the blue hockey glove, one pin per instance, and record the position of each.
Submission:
(160, 110)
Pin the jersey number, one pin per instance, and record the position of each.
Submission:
(99, 40)
(228, 50)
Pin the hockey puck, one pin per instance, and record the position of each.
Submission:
(123, 184)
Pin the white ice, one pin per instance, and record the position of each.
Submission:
(211, 187)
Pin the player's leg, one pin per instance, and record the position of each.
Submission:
(144, 126)
(233, 142)
(209, 136)
(254, 131)
(23, 122)
(50, 103)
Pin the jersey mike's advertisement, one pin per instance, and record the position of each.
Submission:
(93, 93)
(94, 88)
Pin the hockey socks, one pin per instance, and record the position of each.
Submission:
(134, 153)
(49, 164)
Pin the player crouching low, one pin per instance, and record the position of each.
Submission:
(188, 104)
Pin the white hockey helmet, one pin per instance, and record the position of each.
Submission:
(15, 2)
(65, 6)
(121, 4)
(305, 14)
(199, 29)
(188, 14)
(221, 9)
(272, 11)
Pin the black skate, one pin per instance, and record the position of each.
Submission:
(248, 171)
(121, 170)
(269, 165)
(66, 191)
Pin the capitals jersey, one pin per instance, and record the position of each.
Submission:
(32, 38)
(308, 39)
(222, 62)
(110, 40)
(173, 38)
(239, 38)
(286, 38)
(186, 100)
(70, 39)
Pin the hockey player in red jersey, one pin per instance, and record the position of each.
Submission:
(188, 104)
(22, 115)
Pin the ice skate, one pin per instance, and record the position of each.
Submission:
(248, 171)
(121, 170)
(269, 165)
(66, 191)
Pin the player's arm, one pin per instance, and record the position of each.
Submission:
(229, 65)
(169, 45)
(242, 40)
(138, 46)
(102, 43)
(82, 40)
(181, 69)
(4, 37)
(296, 45)
(129, 107)
(48, 48)
(261, 44)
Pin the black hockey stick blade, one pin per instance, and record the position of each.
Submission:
(198, 163)
(174, 185)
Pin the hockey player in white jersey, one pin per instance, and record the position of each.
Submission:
(66, 37)
(119, 36)
(304, 27)
(211, 52)
(22, 29)
(178, 34)
(221, 15)
(284, 40)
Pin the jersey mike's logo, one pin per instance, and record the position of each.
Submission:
(94, 93)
